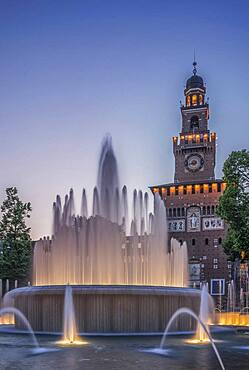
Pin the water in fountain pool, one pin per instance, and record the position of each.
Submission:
(124, 353)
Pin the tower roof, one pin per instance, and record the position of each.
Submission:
(195, 81)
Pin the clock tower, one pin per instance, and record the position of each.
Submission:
(192, 199)
(194, 151)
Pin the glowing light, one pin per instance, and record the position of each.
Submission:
(197, 341)
(77, 342)
(232, 319)
(7, 319)
(214, 188)
(223, 186)
(189, 189)
(180, 190)
(205, 188)
(172, 190)
(194, 99)
(155, 190)
(197, 188)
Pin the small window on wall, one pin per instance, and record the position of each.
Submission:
(193, 241)
(194, 123)
(206, 241)
(220, 240)
(194, 99)
(188, 101)
(200, 99)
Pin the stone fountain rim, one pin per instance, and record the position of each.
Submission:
(106, 289)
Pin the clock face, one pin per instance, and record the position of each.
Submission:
(194, 162)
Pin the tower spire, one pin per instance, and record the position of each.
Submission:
(194, 64)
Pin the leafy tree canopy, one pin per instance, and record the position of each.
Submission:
(234, 204)
(15, 237)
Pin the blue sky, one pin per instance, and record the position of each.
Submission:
(71, 71)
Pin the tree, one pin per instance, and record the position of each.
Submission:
(234, 204)
(15, 237)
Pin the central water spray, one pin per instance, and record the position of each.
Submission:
(106, 248)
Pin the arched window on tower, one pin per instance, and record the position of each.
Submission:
(194, 123)
(201, 99)
(194, 99)
(188, 101)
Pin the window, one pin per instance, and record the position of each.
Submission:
(200, 99)
(214, 188)
(215, 267)
(193, 241)
(212, 210)
(215, 260)
(188, 101)
(189, 189)
(170, 212)
(180, 190)
(220, 240)
(174, 212)
(204, 257)
(205, 188)
(194, 123)
(172, 190)
(178, 212)
(204, 210)
(183, 211)
(206, 241)
(194, 99)
(208, 210)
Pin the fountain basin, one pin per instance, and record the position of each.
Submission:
(107, 309)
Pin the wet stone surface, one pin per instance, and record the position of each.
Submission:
(16, 353)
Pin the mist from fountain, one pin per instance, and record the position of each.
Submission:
(106, 248)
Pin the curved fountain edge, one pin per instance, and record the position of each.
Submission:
(106, 289)
(105, 308)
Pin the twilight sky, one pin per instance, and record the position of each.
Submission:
(71, 71)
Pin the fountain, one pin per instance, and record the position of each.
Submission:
(204, 315)
(187, 311)
(70, 335)
(69, 331)
(123, 274)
